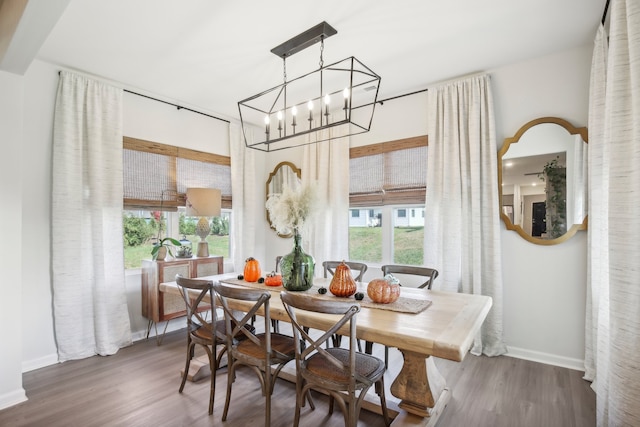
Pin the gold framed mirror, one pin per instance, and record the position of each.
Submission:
(284, 174)
(542, 180)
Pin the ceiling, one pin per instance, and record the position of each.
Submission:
(208, 55)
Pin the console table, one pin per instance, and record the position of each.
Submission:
(161, 307)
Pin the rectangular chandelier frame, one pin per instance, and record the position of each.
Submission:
(333, 101)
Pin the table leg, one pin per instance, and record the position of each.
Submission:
(199, 366)
(420, 387)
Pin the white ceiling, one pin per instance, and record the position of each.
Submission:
(210, 54)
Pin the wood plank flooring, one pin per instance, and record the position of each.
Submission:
(139, 387)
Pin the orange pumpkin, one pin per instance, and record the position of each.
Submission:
(384, 291)
(273, 279)
(342, 283)
(252, 270)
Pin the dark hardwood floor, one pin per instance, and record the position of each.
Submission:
(139, 387)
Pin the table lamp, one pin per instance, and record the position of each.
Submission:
(203, 202)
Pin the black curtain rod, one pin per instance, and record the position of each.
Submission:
(606, 9)
(176, 105)
(382, 101)
(402, 96)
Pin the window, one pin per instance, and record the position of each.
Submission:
(355, 213)
(156, 177)
(388, 187)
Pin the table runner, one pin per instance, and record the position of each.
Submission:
(402, 305)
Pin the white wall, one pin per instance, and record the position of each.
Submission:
(40, 84)
(11, 284)
(544, 286)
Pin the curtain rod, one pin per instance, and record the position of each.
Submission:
(381, 101)
(606, 9)
(179, 107)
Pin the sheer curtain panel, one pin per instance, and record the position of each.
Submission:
(612, 358)
(89, 298)
(246, 203)
(462, 214)
(327, 164)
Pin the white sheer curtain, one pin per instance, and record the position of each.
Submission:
(577, 182)
(327, 163)
(89, 297)
(462, 229)
(612, 336)
(245, 200)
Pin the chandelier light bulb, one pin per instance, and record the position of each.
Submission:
(345, 93)
(326, 106)
(294, 111)
(310, 105)
(266, 124)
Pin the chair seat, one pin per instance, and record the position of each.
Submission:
(205, 333)
(279, 343)
(221, 330)
(367, 366)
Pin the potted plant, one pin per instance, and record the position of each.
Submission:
(160, 249)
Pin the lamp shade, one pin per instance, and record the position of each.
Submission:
(203, 202)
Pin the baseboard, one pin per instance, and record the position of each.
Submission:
(41, 362)
(52, 359)
(12, 398)
(546, 358)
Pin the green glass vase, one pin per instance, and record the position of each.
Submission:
(297, 267)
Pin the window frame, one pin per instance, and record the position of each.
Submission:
(388, 202)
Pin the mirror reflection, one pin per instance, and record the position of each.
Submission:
(542, 173)
(284, 174)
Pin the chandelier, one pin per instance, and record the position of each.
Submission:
(334, 101)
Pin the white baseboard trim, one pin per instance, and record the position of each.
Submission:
(546, 358)
(12, 398)
(52, 359)
(41, 362)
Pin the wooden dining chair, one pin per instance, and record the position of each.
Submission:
(413, 270)
(274, 322)
(259, 352)
(358, 267)
(330, 268)
(200, 331)
(344, 374)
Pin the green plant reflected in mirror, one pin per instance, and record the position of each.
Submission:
(542, 178)
(284, 174)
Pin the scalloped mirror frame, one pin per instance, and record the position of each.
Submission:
(582, 131)
(279, 169)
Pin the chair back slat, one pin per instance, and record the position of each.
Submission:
(429, 273)
(241, 325)
(200, 288)
(348, 310)
(357, 267)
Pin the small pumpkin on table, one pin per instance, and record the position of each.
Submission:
(385, 290)
(273, 279)
(252, 270)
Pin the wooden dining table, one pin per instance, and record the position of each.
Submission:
(446, 329)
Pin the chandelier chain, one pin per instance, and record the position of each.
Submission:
(284, 68)
(321, 51)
